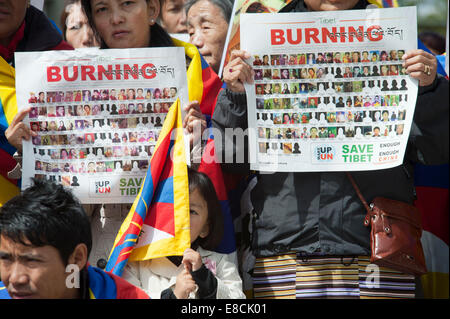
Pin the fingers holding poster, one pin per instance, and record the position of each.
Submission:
(333, 93)
(97, 117)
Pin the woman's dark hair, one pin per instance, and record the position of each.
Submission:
(46, 214)
(159, 37)
(64, 15)
(201, 182)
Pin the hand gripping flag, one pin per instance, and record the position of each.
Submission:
(159, 217)
(8, 109)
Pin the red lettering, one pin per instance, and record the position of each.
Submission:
(330, 35)
(148, 71)
(359, 34)
(343, 34)
(118, 72)
(377, 35)
(299, 36)
(127, 70)
(74, 73)
(311, 33)
(102, 72)
(277, 37)
(87, 70)
(53, 74)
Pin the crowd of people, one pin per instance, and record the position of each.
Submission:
(297, 222)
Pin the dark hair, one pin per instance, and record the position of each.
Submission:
(46, 214)
(225, 7)
(203, 184)
(64, 15)
(159, 37)
(433, 40)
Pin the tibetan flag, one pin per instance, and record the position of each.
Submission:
(8, 109)
(385, 3)
(158, 223)
(204, 86)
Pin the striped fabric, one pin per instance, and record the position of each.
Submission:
(292, 277)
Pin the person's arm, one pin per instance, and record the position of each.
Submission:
(231, 113)
(229, 283)
(429, 137)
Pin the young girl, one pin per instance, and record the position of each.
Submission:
(200, 272)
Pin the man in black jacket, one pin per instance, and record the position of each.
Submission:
(318, 215)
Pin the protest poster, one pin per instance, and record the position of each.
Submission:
(330, 91)
(245, 6)
(97, 115)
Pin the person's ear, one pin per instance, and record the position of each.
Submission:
(79, 256)
(205, 231)
(153, 8)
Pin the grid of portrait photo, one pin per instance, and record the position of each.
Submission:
(329, 95)
(96, 132)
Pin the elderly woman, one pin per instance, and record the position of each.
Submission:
(207, 22)
(22, 28)
(76, 29)
(307, 222)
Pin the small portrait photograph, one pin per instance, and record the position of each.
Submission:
(61, 126)
(358, 116)
(131, 94)
(257, 60)
(356, 71)
(349, 131)
(113, 95)
(293, 74)
(126, 165)
(33, 98)
(261, 132)
(277, 103)
(87, 110)
(143, 165)
(303, 73)
(399, 129)
(87, 97)
(323, 132)
(304, 133)
(383, 56)
(157, 94)
(358, 101)
(60, 111)
(124, 108)
(42, 111)
(117, 151)
(393, 70)
(63, 140)
(284, 59)
(367, 131)
(96, 95)
(165, 107)
(258, 74)
(312, 87)
(402, 115)
(348, 87)
(52, 126)
(340, 117)
(312, 102)
(275, 59)
(286, 103)
(384, 70)
(393, 55)
(365, 58)
(320, 73)
(313, 132)
(331, 117)
(337, 58)
(310, 58)
(295, 103)
(339, 74)
(285, 89)
(267, 74)
(312, 73)
(365, 72)
(356, 57)
(262, 147)
(348, 72)
(158, 121)
(259, 89)
(277, 118)
(339, 87)
(96, 110)
(303, 88)
(320, 58)
(340, 102)
(265, 60)
(287, 148)
(41, 97)
(51, 111)
(332, 132)
(166, 93)
(285, 74)
(294, 88)
(260, 104)
(123, 123)
(305, 117)
(295, 118)
(329, 57)
(109, 166)
(140, 94)
(89, 138)
(346, 57)
(292, 59)
(276, 74)
(349, 102)
(394, 100)
(276, 88)
(375, 71)
(385, 86)
(303, 104)
(88, 123)
(35, 126)
(301, 59)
